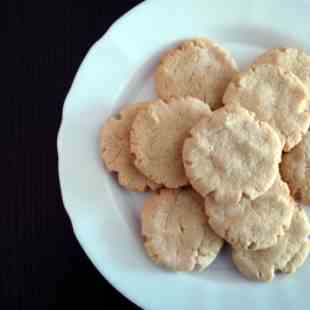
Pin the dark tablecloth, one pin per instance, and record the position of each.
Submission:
(42, 264)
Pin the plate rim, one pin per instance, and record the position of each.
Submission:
(119, 20)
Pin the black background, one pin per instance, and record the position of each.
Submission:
(41, 264)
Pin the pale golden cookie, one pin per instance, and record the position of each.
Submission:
(199, 68)
(275, 96)
(253, 224)
(230, 153)
(176, 231)
(287, 255)
(115, 150)
(157, 138)
(291, 59)
(295, 170)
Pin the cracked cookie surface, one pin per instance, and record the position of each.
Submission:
(198, 68)
(230, 153)
(253, 224)
(295, 170)
(276, 96)
(115, 150)
(176, 232)
(286, 256)
(157, 136)
(291, 59)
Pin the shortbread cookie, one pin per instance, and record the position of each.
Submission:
(275, 96)
(176, 231)
(157, 138)
(291, 59)
(198, 68)
(253, 224)
(295, 170)
(115, 150)
(230, 153)
(286, 256)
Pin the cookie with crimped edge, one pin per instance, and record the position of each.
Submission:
(276, 96)
(115, 150)
(295, 170)
(157, 137)
(230, 154)
(291, 59)
(176, 231)
(286, 256)
(253, 224)
(199, 68)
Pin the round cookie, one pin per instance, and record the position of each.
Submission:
(176, 233)
(157, 138)
(230, 153)
(115, 150)
(199, 68)
(287, 255)
(275, 96)
(291, 59)
(253, 224)
(295, 170)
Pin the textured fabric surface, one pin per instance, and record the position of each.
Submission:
(42, 265)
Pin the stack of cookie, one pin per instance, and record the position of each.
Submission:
(210, 150)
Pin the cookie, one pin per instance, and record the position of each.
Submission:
(176, 233)
(199, 68)
(115, 150)
(253, 224)
(157, 137)
(230, 154)
(287, 255)
(291, 59)
(295, 170)
(275, 96)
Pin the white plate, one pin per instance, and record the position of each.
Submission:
(118, 70)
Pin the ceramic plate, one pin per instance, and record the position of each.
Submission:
(118, 70)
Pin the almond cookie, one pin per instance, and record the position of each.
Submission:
(198, 68)
(253, 224)
(176, 233)
(291, 59)
(287, 255)
(157, 138)
(295, 170)
(115, 151)
(275, 96)
(230, 153)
